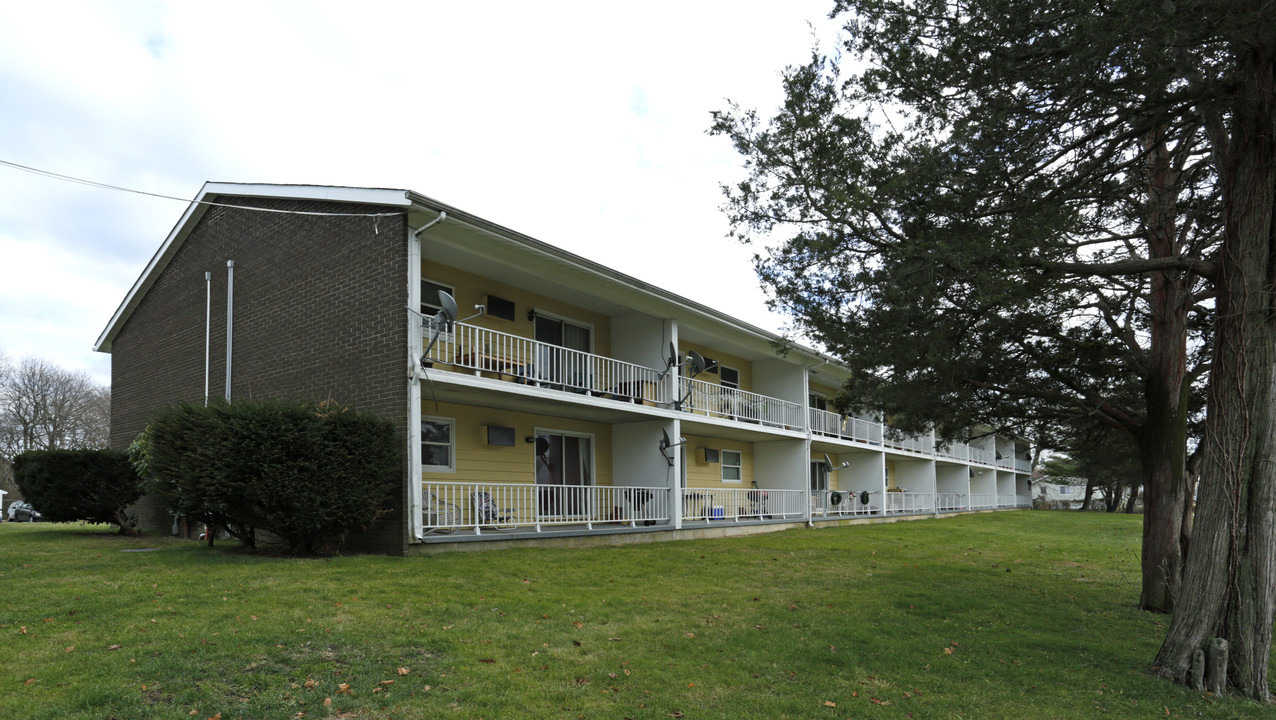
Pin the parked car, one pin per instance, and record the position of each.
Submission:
(21, 511)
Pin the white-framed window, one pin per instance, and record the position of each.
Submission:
(1065, 489)
(729, 377)
(430, 302)
(732, 464)
(438, 444)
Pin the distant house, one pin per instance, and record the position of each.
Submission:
(578, 401)
(1058, 492)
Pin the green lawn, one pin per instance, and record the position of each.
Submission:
(1006, 615)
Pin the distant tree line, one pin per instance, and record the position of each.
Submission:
(44, 406)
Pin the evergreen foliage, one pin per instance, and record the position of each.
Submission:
(95, 486)
(1052, 213)
(303, 472)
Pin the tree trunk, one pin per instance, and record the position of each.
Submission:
(1229, 581)
(1163, 438)
(1089, 493)
(1132, 500)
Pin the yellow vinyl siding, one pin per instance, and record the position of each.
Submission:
(890, 474)
(825, 390)
(744, 366)
(473, 290)
(709, 475)
(476, 462)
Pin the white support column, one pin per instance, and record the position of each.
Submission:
(415, 500)
(675, 433)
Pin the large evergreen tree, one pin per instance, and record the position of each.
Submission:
(1017, 212)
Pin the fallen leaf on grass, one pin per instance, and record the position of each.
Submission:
(29, 681)
(403, 671)
(70, 648)
(343, 688)
(327, 702)
(948, 651)
(386, 682)
(829, 703)
(116, 646)
(579, 625)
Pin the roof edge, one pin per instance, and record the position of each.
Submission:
(200, 204)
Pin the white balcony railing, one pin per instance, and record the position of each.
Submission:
(545, 365)
(983, 501)
(831, 424)
(478, 507)
(706, 398)
(952, 502)
(983, 456)
(909, 442)
(1007, 501)
(953, 451)
(735, 504)
(849, 503)
(1023, 466)
(909, 502)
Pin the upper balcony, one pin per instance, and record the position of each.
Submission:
(531, 362)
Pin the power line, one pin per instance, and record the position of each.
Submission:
(106, 186)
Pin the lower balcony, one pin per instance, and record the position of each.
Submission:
(474, 509)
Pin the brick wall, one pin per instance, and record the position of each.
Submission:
(319, 312)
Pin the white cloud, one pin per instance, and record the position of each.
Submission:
(581, 124)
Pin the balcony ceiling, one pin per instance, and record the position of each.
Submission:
(483, 249)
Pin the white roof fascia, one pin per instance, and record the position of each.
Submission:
(200, 205)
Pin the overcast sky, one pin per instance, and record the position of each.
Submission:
(581, 124)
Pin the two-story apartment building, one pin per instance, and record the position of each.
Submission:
(562, 398)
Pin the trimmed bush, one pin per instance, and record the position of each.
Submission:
(304, 472)
(94, 486)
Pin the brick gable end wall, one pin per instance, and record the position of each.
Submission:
(319, 312)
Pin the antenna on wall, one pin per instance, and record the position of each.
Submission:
(829, 462)
(693, 359)
(665, 444)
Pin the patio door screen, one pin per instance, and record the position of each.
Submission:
(819, 485)
(564, 474)
(555, 365)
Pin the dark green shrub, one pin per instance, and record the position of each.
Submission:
(303, 472)
(79, 485)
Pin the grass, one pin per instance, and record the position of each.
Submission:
(1007, 615)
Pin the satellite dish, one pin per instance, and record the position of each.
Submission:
(827, 461)
(542, 445)
(833, 467)
(972, 471)
(697, 362)
(664, 440)
(448, 304)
